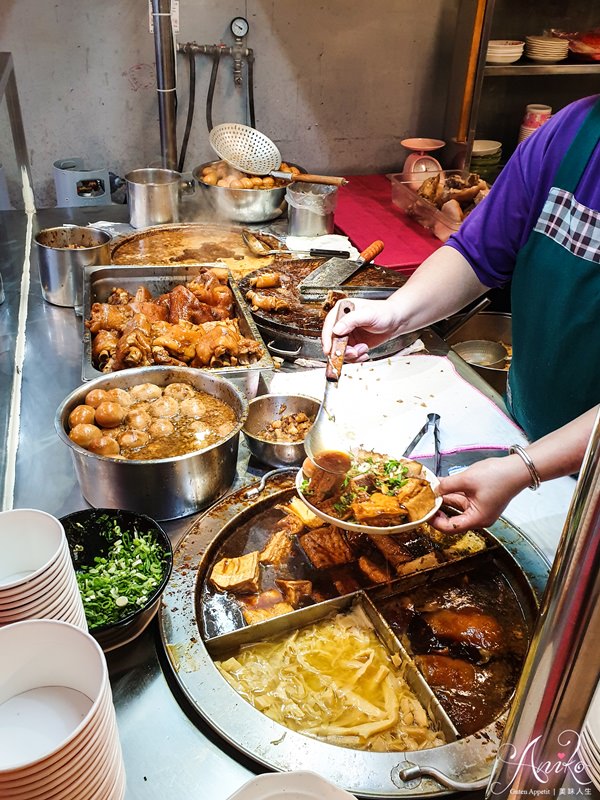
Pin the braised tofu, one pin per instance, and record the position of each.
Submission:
(379, 511)
(265, 605)
(278, 548)
(374, 572)
(391, 549)
(237, 575)
(294, 591)
(418, 564)
(417, 497)
(326, 547)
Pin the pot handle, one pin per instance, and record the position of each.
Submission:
(187, 186)
(263, 481)
(415, 772)
(284, 353)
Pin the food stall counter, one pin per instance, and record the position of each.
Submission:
(169, 751)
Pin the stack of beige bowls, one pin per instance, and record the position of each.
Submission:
(504, 51)
(37, 579)
(58, 733)
(546, 49)
(590, 741)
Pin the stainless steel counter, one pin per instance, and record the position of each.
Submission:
(170, 753)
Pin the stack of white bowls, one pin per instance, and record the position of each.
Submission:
(37, 579)
(535, 116)
(546, 49)
(590, 741)
(58, 733)
(504, 51)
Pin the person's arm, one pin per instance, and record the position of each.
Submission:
(442, 285)
(482, 492)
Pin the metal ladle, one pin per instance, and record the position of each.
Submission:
(324, 444)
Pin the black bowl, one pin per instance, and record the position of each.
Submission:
(87, 538)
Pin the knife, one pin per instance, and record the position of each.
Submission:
(335, 271)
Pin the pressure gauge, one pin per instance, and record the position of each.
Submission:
(239, 27)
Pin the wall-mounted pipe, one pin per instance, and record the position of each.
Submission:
(165, 81)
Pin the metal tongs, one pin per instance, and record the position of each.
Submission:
(433, 422)
(324, 436)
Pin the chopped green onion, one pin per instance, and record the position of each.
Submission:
(121, 582)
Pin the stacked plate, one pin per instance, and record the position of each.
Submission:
(546, 49)
(58, 733)
(37, 579)
(504, 51)
(590, 740)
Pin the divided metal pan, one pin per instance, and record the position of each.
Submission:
(460, 763)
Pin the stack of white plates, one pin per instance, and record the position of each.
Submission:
(58, 733)
(590, 740)
(504, 51)
(546, 49)
(37, 579)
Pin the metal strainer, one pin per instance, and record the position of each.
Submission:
(245, 148)
(251, 151)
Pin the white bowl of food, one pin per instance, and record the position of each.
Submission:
(376, 494)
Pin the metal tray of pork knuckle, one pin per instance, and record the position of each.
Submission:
(271, 620)
(133, 315)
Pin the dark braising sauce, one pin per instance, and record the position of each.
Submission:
(333, 461)
(468, 636)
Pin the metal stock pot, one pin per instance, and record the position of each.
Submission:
(153, 196)
(165, 488)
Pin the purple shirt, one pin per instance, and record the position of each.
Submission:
(494, 232)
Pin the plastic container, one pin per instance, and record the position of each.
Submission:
(420, 209)
(310, 209)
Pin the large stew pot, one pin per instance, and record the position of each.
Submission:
(241, 205)
(165, 488)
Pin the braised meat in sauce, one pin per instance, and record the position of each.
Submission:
(468, 637)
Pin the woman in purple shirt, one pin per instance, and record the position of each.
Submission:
(540, 230)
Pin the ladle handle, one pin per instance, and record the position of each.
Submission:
(335, 360)
(369, 253)
(329, 180)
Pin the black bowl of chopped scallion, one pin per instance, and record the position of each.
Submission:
(122, 563)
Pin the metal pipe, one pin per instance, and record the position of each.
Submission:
(165, 81)
(541, 740)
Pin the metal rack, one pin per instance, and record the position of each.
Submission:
(469, 70)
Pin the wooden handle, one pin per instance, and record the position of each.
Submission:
(330, 180)
(335, 361)
(369, 253)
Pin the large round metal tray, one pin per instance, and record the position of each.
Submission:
(368, 774)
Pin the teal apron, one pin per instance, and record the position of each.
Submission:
(555, 297)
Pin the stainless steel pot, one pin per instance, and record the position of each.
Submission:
(267, 408)
(165, 488)
(62, 254)
(241, 205)
(153, 196)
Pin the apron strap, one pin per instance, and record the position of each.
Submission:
(576, 158)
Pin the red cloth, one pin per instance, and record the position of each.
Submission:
(365, 212)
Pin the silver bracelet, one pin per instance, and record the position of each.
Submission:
(536, 481)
